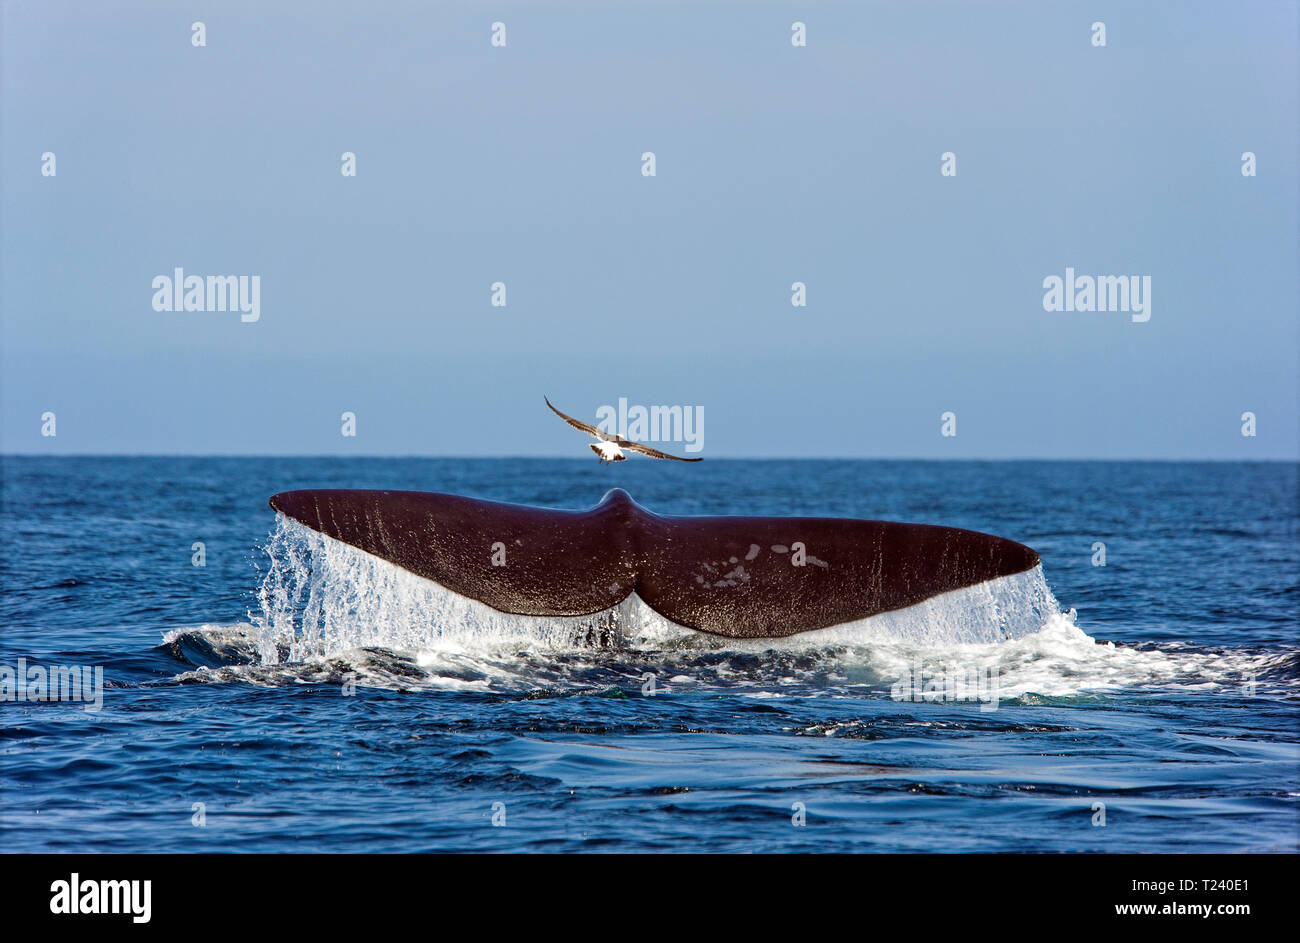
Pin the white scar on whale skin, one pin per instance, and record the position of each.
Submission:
(323, 597)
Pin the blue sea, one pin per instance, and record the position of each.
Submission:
(1151, 708)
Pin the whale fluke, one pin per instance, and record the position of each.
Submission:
(739, 577)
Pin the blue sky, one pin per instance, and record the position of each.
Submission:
(774, 164)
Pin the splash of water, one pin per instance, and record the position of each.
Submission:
(321, 597)
(331, 612)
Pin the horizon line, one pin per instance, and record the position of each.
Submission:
(575, 458)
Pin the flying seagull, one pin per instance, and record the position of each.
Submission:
(610, 447)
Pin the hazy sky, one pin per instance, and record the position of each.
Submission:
(774, 164)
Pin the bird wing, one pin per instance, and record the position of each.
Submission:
(653, 453)
(577, 424)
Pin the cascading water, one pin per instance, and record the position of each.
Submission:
(320, 597)
(331, 612)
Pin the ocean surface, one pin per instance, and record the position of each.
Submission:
(293, 694)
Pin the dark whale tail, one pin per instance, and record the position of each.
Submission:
(740, 577)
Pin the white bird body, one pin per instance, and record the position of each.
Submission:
(608, 451)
